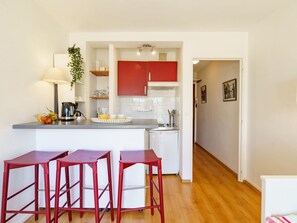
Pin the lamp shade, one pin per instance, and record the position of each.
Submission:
(55, 75)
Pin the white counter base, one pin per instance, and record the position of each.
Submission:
(114, 140)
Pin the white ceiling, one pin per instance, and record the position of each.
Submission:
(159, 15)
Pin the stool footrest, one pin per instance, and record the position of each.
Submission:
(156, 187)
(103, 191)
(25, 212)
(77, 209)
(136, 188)
(139, 208)
(99, 188)
(20, 191)
(74, 202)
(23, 208)
(21, 211)
(106, 208)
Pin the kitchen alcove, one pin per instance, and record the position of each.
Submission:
(101, 69)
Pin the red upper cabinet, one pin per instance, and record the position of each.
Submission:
(132, 78)
(162, 70)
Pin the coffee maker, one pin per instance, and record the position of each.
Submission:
(68, 112)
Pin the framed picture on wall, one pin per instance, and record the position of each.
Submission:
(203, 94)
(230, 90)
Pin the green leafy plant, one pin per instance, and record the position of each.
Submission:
(75, 64)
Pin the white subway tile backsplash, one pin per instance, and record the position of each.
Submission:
(155, 105)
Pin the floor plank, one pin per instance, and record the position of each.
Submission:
(214, 196)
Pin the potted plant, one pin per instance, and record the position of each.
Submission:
(75, 64)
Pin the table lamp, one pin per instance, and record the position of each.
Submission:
(55, 76)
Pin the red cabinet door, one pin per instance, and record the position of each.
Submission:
(162, 71)
(132, 78)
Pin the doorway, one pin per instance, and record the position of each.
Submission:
(216, 111)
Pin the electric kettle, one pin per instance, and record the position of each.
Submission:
(68, 111)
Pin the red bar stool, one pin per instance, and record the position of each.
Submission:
(147, 157)
(80, 158)
(33, 158)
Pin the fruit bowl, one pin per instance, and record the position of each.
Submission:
(47, 119)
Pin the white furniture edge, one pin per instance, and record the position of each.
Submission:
(279, 195)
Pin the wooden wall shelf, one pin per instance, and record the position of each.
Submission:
(100, 73)
(99, 98)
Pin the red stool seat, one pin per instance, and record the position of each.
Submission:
(147, 157)
(90, 158)
(33, 158)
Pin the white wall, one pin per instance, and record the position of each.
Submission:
(200, 45)
(272, 141)
(218, 121)
(28, 40)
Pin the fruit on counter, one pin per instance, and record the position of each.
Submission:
(52, 115)
(47, 118)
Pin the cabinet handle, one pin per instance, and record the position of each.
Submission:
(149, 76)
(144, 90)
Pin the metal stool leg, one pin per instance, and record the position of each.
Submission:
(81, 188)
(4, 192)
(161, 191)
(96, 196)
(110, 186)
(36, 184)
(57, 195)
(68, 192)
(120, 191)
(151, 188)
(47, 193)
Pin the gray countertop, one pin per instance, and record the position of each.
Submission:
(88, 124)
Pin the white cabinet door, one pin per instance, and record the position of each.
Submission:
(165, 145)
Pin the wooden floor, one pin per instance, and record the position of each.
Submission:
(215, 196)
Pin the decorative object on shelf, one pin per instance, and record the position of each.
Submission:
(99, 98)
(203, 94)
(55, 76)
(75, 64)
(230, 90)
(101, 93)
(146, 47)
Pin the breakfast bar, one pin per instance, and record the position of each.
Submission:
(86, 134)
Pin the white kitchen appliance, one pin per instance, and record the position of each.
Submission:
(165, 144)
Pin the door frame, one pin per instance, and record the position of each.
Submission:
(241, 96)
